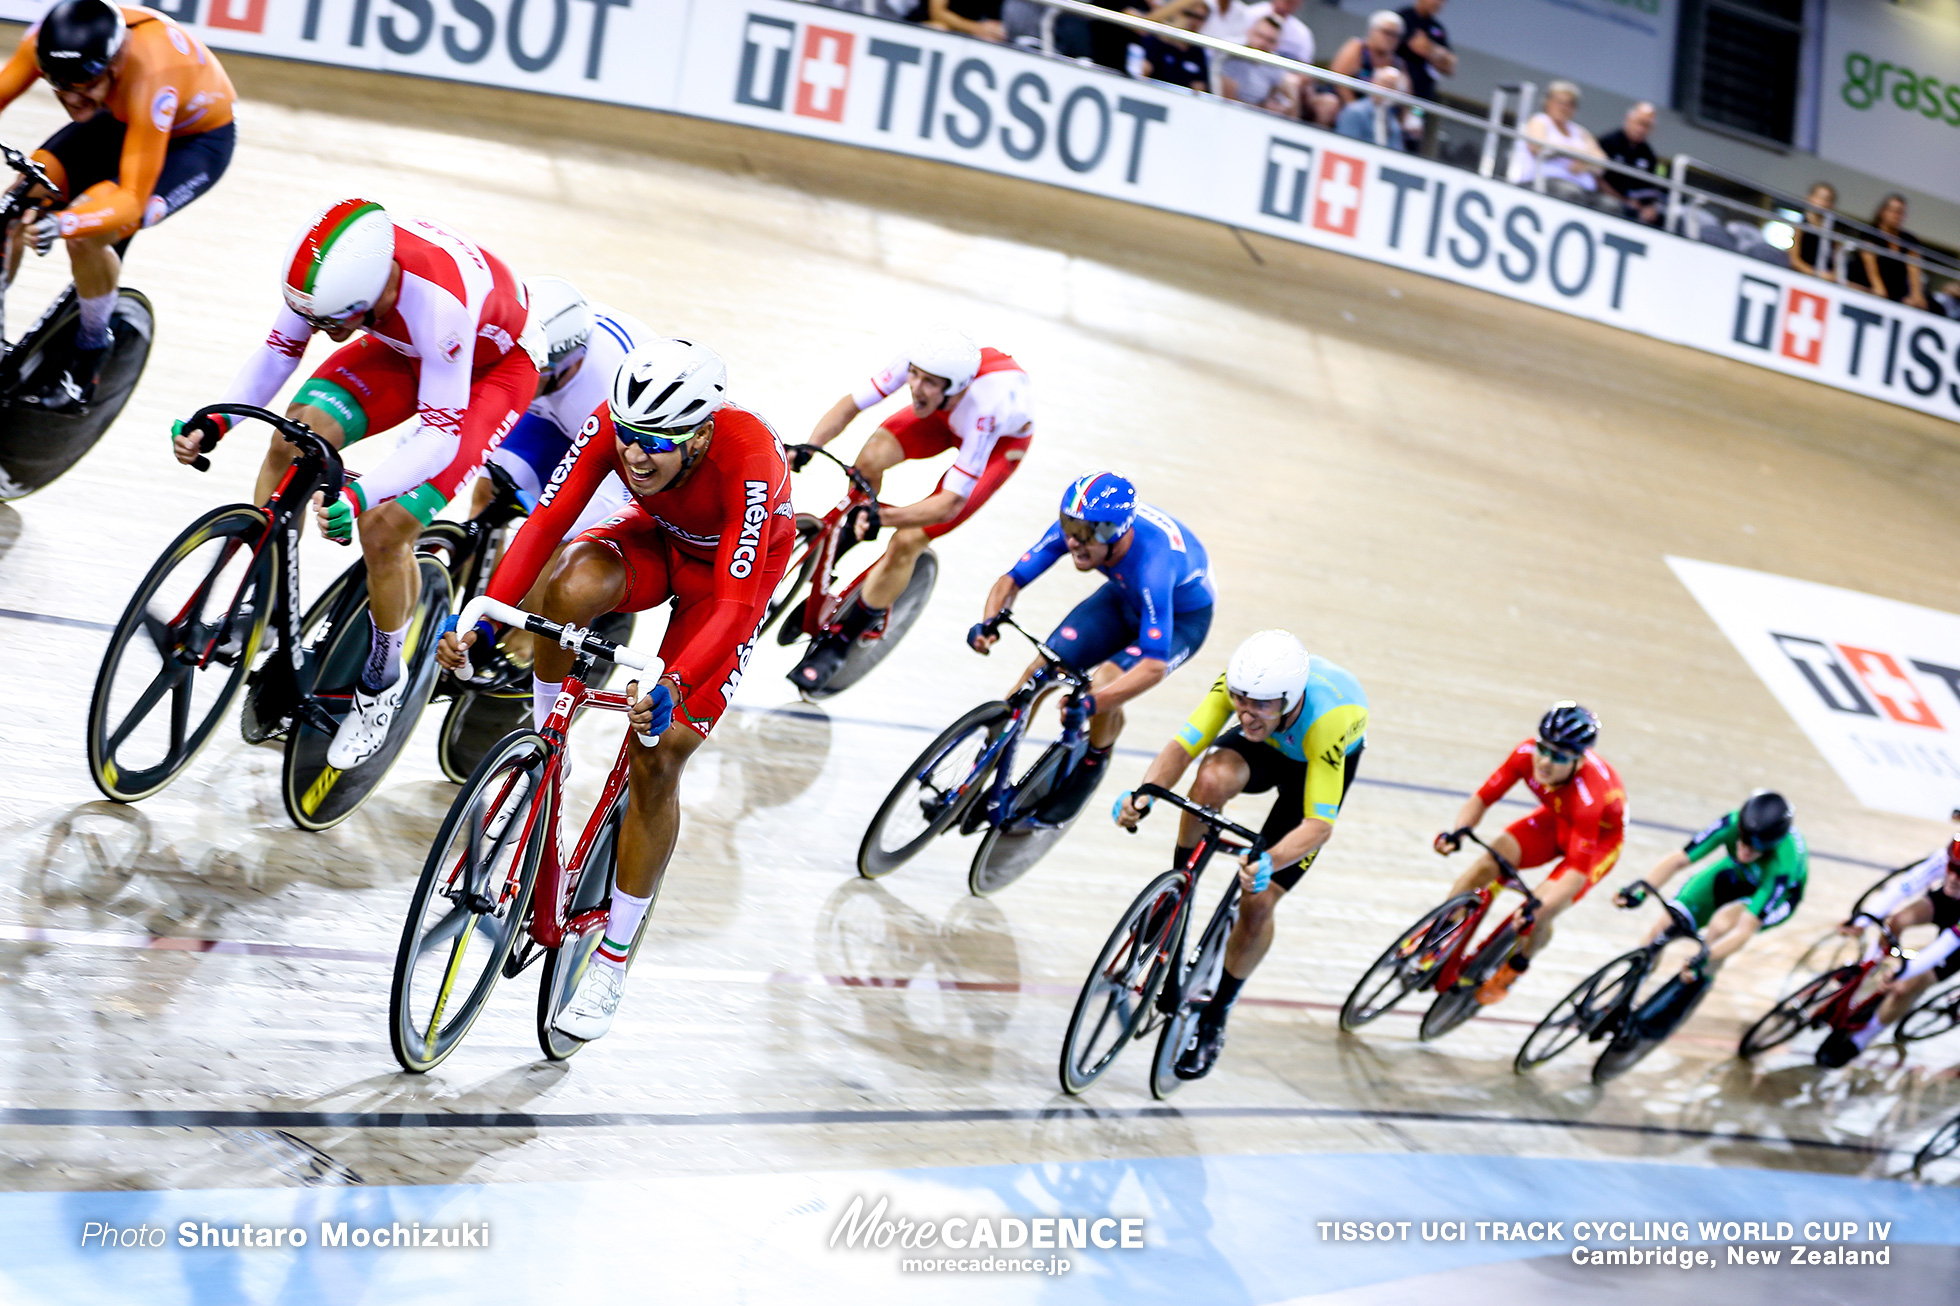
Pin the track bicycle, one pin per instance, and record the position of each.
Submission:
(1435, 954)
(1146, 978)
(38, 444)
(820, 542)
(1836, 948)
(965, 781)
(1841, 998)
(497, 874)
(185, 646)
(1608, 1004)
(1937, 1013)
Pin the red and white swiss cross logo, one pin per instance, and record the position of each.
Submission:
(823, 73)
(1337, 199)
(1804, 316)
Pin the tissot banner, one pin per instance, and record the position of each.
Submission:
(1875, 683)
(833, 75)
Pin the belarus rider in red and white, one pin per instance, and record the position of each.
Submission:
(446, 338)
(976, 400)
(709, 530)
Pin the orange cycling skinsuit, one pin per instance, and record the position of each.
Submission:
(163, 138)
(716, 545)
(1583, 821)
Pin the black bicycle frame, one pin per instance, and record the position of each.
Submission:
(1216, 823)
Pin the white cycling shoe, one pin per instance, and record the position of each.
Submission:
(594, 1002)
(365, 728)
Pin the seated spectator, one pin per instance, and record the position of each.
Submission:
(1425, 48)
(1178, 62)
(1261, 84)
(1361, 56)
(1628, 146)
(1572, 179)
(979, 18)
(1946, 300)
(1230, 20)
(1894, 278)
(1361, 118)
(1816, 254)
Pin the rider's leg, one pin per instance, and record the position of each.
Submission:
(388, 535)
(1222, 776)
(590, 580)
(888, 576)
(881, 452)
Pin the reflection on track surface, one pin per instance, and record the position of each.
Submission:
(1466, 503)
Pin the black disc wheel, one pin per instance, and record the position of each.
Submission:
(565, 965)
(38, 444)
(1938, 1014)
(1410, 963)
(179, 655)
(872, 648)
(469, 904)
(318, 795)
(1118, 995)
(1649, 1026)
(1010, 849)
(1604, 995)
(1459, 1002)
(933, 792)
(796, 576)
(1787, 1019)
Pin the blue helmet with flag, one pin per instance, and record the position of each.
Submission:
(1105, 501)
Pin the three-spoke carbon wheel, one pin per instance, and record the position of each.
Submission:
(1117, 998)
(1410, 963)
(932, 793)
(1604, 995)
(178, 657)
(470, 903)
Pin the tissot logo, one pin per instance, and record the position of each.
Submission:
(823, 74)
(1337, 199)
(1793, 322)
(1867, 682)
(1802, 337)
(1289, 169)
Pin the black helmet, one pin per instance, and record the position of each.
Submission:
(1568, 727)
(1764, 820)
(78, 40)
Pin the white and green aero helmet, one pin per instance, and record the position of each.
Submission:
(1271, 664)
(339, 263)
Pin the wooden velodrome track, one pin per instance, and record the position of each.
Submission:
(1464, 501)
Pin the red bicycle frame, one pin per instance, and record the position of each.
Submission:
(1840, 1011)
(823, 604)
(1523, 918)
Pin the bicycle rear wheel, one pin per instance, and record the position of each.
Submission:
(1596, 999)
(1197, 981)
(1787, 1019)
(1452, 1008)
(866, 653)
(1649, 1026)
(470, 903)
(1117, 997)
(932, 792)
(1410, 962)
(183, 645)
(1944, 1143)
(1937, 1014)
(565, 965)
(1010, 849)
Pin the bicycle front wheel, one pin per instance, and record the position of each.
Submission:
(1944, 1143)
(1459, 1003)
(1117, 997)
(177, 658)
(796, 574)
(565, 965)
(932, 792)
(470, 903)
(1196, 983)
(1599, 997)
(1787, 1019)
(1931, 1018)
(1410, 963)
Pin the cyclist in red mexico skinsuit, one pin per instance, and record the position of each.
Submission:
(1582, 823)
(710, 529)
(446, 338)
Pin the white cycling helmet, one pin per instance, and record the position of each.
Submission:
(668, 388)
(949, 353)
(1271, 664)
(339, 263)
(566, 317)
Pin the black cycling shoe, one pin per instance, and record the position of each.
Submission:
(1068, 798)
(1201, 1049)
(72, 388)
(826, 655)
(1837, 1050)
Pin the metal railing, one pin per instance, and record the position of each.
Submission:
(1689, 209)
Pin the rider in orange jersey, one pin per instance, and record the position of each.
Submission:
(151, 131)
(1581, 823)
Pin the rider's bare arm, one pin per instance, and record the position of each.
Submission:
(1667, 868)
(1467, 816)
(929, 511)
(1302, 839)
(832, 424)
(1732, 939)
(999, 599)
(1166, 769)
(1917, 912)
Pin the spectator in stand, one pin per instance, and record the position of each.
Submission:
(1231, 19)
(1359, 118)
(1882, 274)
(1178, 62)
(979, 18)
(1109, 43)
(1362, 55)
(1816, 254)
(1572, 179)
(1425, 48)
(1261, 84)
(1628, 146)
(1946, 300)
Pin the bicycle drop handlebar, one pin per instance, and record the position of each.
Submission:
(311, 443)
(1884, 931)
(858, 479)
(1506, 872)
(27, 168)
(1063, 671)
(1211, 816)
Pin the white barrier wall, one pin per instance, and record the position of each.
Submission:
(836, 76)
